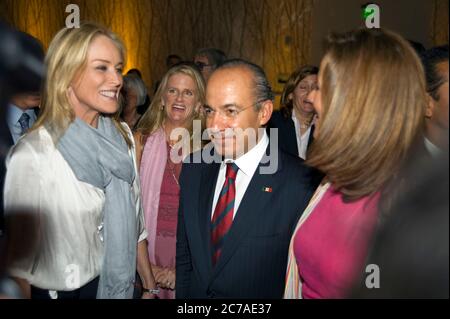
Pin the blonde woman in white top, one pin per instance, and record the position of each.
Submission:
(75, 173)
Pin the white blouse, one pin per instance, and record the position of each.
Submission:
(302, 140)
(67, 251)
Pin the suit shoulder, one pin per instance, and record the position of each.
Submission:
(193, 159)
(193, 163)
(295, 166)
(291, 161)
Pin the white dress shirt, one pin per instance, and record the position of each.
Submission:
(302, 140)
(14, 114)
(247, 163)
(68, 251)
(434, 151)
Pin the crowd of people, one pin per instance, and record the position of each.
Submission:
(203, 190)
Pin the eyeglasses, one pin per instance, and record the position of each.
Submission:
(202, 65)
(230, 111)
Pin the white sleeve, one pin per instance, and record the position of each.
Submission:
(22, 191)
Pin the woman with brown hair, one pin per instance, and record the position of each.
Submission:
(295, 119)
(370, 106)
(163, 131)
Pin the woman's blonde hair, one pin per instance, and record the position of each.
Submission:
(66, 58)
(373, 97)
(154, 117)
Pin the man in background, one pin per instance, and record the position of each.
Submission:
(435, 61)
(209, 59)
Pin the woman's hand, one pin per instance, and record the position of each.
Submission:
(171, 279)
(160, 277)
(156, 271)
(166, 278)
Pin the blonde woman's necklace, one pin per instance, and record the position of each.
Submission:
(172, 169)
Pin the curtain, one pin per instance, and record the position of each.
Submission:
(275, 34)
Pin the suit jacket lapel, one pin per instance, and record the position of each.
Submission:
(311, 135)
(254, 201)
(292, 134)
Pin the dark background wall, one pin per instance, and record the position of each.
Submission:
(411, 18)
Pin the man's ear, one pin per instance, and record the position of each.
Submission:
(429, 108)
(265, 112)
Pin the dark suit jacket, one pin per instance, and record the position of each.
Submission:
(287, 140)
(254, 256)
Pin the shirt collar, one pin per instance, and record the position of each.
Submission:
(14, 114)
(248, 163)
(432, 149)
(293, 115)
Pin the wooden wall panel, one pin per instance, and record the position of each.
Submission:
(273, 33)
(439, 30)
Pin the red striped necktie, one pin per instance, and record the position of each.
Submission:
(223, 213)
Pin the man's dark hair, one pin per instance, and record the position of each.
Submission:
(430, 59)
(22, 61)
(263, 90)
(417, 46)
(135, 72)
(215, 57)
(171, 57)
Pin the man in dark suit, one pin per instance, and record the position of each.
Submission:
(435, 61)
(24, 104)
(23, 110)
(21, 72)
(20, 81)
(237, 214)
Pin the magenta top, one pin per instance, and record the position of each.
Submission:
(166, 229)
(332, 244)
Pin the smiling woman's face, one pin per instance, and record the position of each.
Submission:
(96, 89)
(300, 94)
(180, 99)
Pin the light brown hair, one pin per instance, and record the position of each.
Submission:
(373, 94)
